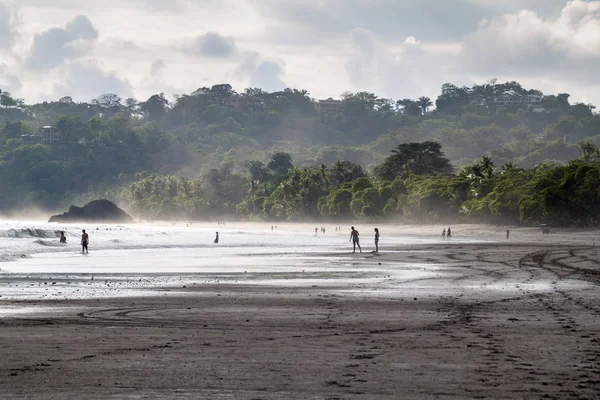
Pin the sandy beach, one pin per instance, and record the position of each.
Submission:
(483, 318)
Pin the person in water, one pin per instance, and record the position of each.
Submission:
(354, 239)
(444, 234)
(449, 233)
(217, 238)
(63, 238)
(85, 240)
(376, 240)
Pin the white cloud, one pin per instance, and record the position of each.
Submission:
(6, 31)
(407, 70)
(525, 39)
(558, 52)
(212, 44)
(54, 46)
(8, 81)
(395, 48)
(263, 74)
(84, 81)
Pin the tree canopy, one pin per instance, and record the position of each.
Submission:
(286, 155)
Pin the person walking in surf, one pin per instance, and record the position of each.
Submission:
(376, 240)
(217, 238)
(85, 240)
(354, 239)
(449, 234)
(63, 238)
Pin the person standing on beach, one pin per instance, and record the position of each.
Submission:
(507, 233)
(444, 234)
(449, 234)
(85, 240)
(376, 240)
(63, 238)
(354, 239)
(316, 231)
(217, 238)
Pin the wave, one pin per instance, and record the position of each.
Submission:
(29, 233)
(49, 243)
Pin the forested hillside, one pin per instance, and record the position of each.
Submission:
(284, 155)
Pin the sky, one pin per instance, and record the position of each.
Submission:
(394, 48)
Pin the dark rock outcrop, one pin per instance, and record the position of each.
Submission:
(94, 211)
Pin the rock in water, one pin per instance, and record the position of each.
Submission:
(94, 211)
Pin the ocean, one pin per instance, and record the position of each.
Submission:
(138, 259)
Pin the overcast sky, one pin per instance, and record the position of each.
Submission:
(395, 48)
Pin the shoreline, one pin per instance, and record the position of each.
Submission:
(490, 320)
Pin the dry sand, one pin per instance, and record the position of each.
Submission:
(514, 320)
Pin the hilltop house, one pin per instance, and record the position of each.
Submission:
(329, 106)
(532, 101)
(46, 135)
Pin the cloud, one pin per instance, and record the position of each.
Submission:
(9, 82)
(324, 20)
(157, 68)
(526, 44)
(542, 7)
(262, 74)
(83, 81)
(56, 45)
(554, 53)
(407, 70)
(6, 30)
(395, 48)
(212, 44)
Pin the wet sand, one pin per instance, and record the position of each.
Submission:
(496, 320)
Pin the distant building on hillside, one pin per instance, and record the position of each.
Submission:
(529, 100)
(329, 106)
(46, 135)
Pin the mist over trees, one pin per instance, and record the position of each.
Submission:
(495, 152)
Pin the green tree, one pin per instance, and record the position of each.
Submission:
(424, 103)
(280, 163)
(417, 158)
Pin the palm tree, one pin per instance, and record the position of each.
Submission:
(324, 176)
(487, 166)
(424, 103)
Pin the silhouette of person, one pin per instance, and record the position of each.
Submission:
(354, 239)
(449, 234)
(217, 238)
(444, 234)
(85, 240)
(63, 238)
(507, 234)
(376, 240)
